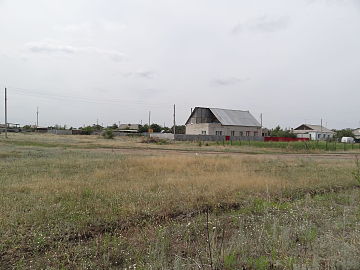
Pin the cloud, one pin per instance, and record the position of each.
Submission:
(355, 3)
(75, 28)
(112, 54)
(44, 47)
(145, 74)
(229, 81)
(52, 47)
(263, 24)
(91, 28)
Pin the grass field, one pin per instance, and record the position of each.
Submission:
(75, 203)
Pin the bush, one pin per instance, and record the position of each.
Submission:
(87, 130)
(108, 134)
(155, 140)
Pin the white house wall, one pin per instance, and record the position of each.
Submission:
(212, 128)
(315, 135)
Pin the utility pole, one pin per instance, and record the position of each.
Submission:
(174, 121)
(6, 113)
(321, 125)
(37, 117)
(149, 118)
(261, 123)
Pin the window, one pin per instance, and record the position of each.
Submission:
(247, 133)
(203, 132)
(219, 133)
(319, 136)
(233, 133)
(255, 133)
(241, 133)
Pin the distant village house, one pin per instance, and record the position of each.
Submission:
(356, 133)
(222, 122)
(313, 132)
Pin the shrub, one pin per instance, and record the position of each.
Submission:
(108, 134)
(154, 140)
(356, 172)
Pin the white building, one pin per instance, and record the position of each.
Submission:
(313, 132)
(222, 122)
(357, 133)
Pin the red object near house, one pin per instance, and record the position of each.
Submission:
(284, 139)
(227, 138)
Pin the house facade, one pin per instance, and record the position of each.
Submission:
(222, 122)
(313, 132)
(357, 133)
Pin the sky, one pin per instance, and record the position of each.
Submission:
(87, 61)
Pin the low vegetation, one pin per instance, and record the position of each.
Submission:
(71, 208)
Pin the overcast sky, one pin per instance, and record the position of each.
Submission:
(81, 61)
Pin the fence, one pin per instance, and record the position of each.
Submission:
(284, 139)
(60, 131)
(166, 136)
(214, 138)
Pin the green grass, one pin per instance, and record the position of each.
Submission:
(295, 146)
(137, 143)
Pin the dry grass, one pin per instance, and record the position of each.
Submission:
(66, 207)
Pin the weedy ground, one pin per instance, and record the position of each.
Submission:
(62, 207)
(138, 142)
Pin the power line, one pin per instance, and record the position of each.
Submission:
(39, 94)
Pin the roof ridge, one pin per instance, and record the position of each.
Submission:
(228, 109)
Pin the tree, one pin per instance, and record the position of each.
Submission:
(155, 127)
(143, 128)
(166, 130)
(114, 126)
(279, 132)
(344, 133)
(97, 127)
(179, 129)
(87, 130)
(28, 128)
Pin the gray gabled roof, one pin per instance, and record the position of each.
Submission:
(235, 117)
(317, 128)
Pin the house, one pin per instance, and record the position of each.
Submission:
(129, 127)
(313, 132)
(265, 132)
(222, 122)
(357, 133)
